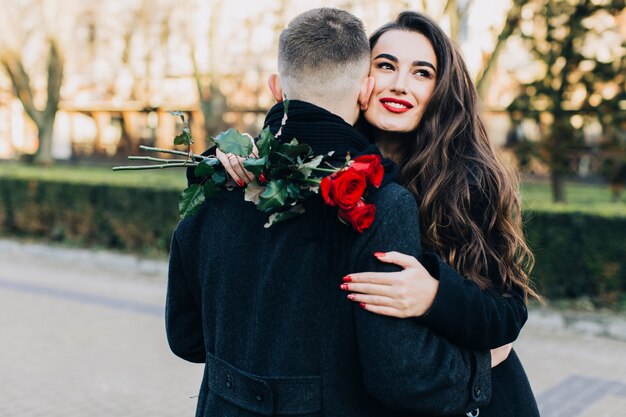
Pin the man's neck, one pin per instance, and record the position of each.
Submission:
(347, 111)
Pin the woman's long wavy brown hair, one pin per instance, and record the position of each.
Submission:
(469, 202)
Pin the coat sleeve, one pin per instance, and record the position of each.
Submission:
(469, 316)
(183, 317)
(406, 365)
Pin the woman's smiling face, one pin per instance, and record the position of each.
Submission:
(404, 65)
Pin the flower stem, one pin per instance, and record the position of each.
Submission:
(148, 158)
(332, 171)
(173, 152)
(142, 167)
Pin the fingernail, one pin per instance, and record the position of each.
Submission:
(347, 278)
(351, 296)
(362, 305)
(379, 254)
(344, 286)
(240, 183)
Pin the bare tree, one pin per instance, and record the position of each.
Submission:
(13, 63)
(212, 101)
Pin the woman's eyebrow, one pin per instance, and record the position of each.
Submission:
(424, 64)
(387, 56)
(415, 63)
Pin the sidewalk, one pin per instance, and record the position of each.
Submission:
(82, 335)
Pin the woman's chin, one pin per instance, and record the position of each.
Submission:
(395, 128)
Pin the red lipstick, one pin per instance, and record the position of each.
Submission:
(395, 105)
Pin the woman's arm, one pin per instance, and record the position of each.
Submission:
(442, 299)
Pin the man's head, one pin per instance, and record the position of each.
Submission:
(324, 58)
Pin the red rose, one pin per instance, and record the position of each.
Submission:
(370, 167)
(344, 188)
(360, 217)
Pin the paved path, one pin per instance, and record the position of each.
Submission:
(81, 334)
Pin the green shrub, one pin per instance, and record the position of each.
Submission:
(578, 254)
(118, 217)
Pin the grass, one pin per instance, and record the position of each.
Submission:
(172, 178)
(585, 198)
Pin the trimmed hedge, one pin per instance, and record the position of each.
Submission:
(117, 217)
(577, 254)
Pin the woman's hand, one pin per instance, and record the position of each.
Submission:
(498, 355)
(407, 293)
(233, 164)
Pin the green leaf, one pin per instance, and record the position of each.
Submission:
(234, 142)
(204, 168)
(254, 165)
(210, 189)
(274, 196)
(219, 177)
(265, 143)
(293, 192)
(184, 138)
(190, 201)
(253, 192)
(294, 149)
(284, 215)
(307, 168)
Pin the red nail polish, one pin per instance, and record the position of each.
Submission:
(362, 305)
(351, 297)
(379, 254)
(240, 183)
(344, 286)
(347, 278)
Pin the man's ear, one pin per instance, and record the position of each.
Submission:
(276, 87)
(367, 86)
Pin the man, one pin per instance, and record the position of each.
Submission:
(262, 308)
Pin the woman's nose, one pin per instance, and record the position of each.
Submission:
(399, 84)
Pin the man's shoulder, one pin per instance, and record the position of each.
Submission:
(391, 197)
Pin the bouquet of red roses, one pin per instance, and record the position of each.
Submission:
(286, 174)
(345, 189)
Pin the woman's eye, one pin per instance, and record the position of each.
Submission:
(384, 65)
(423, 73)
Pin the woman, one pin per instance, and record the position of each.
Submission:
(423, 114)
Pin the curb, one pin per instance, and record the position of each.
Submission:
(605, 324)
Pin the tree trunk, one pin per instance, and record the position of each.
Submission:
(558, 148)
(557, 181)
(43, 156)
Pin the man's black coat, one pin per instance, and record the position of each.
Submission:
(263, 308)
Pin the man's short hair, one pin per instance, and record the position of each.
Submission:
(321, 49)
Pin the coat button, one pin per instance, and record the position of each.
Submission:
(477, 391)
(229, 381)
(259, 397)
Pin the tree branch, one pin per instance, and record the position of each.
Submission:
(510, 25)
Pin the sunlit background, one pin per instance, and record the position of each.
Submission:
(126, 63)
